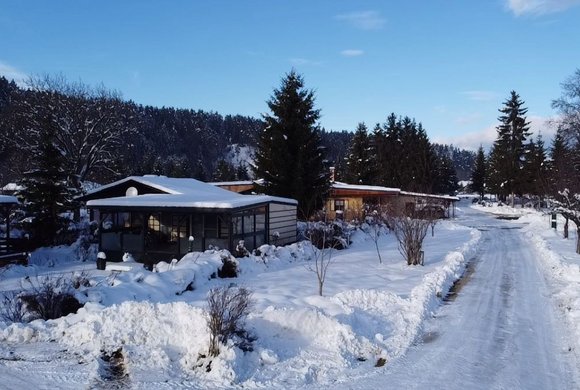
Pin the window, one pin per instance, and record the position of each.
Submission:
(339, 204)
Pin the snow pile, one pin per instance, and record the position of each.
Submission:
(370, 311)
(561, 264)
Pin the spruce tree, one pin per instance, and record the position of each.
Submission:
(445, 178)
(508, 152)
(360, 161)
(46, 194)
(478, 175)
(378, 144)
(559, 177)
(392, 164)
(224, 171)
(242, 172)
(535, 170)
(290, 157)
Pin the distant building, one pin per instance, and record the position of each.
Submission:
(347, 201)
(153, 217)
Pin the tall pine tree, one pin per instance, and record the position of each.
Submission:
(508, 152)
(535, 170)
(360, 161)
(46, 194)
(478, 175)
(290, 157)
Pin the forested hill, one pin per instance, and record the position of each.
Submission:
(140, 139)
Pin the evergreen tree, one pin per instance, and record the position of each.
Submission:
(478, 175)
(378, 144)
(391, 163)
(242, 172)
(559, 177)
(508, 152)
(199, 171)
(445, 179)
(224, 171)
(535, 170)
(360, 161)
(290, 157)
(46, 194)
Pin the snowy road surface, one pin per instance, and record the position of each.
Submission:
(500, 332)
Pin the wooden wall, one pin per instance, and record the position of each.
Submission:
(282, 220)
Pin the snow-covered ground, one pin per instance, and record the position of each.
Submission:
(369, 311)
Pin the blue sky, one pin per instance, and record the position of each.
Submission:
(448, 63)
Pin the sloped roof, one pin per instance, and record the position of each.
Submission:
(434, 196)
(356, 187)
(181, 192)
(359, 187)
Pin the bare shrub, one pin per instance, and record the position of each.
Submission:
(49, 297)
(228, 307)
(376, 221)
(324, 239)
(410, 231)
(12, 309)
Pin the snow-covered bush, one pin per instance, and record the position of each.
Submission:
(229, 268)
(335, 234)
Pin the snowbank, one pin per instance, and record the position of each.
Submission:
(369, 311)
(561, 264)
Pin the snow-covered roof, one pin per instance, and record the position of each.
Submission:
(8, 199)
(12, 187)
(232, 183)
(445, 197)
(344, 186)
(182, 192)
(355, 187)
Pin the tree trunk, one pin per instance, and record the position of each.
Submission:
(578, 240)
(566, 228)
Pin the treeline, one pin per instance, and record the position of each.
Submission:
(399, 154)
(520, 164)
(103, 137)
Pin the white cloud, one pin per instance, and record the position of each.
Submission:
(352, 53)
(11, 73)
(539, 7)
(364, 20)
(481, 96)
(486, 136)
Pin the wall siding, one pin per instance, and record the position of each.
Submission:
(282, 219)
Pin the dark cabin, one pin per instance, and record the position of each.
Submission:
(157, 218)
(8, 254)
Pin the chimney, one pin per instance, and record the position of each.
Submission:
(332, 171)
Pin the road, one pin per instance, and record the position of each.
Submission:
(501, 330)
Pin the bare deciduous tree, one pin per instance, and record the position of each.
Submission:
(322, 235)
(410, 231)
(569, 207)
(91, 123)
(376, 217)
(227, 309)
